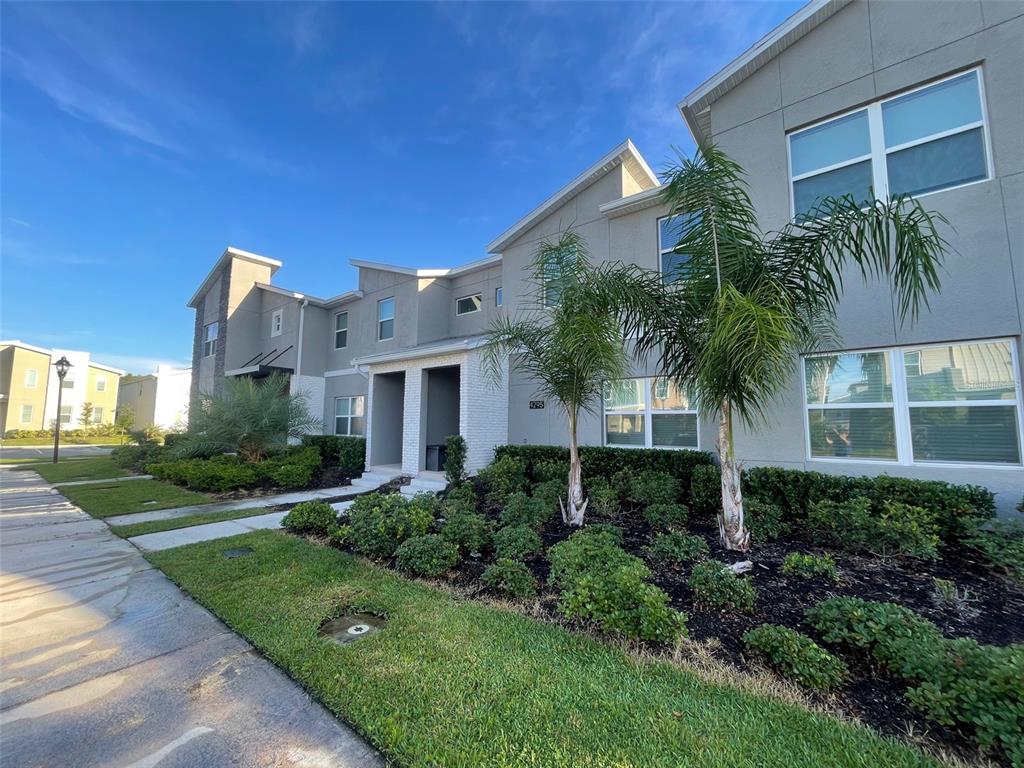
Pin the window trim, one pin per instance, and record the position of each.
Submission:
(349, 416)
(499, 297)
(661, 249)
(648, 413)
(35, 379)
(876, 136)
(340, 330)
(276, 323)
(901, 407)
(480, 308)
(71, 414)
(381, 320)
(212, 342)
(101, 383)
(31, 413)
(97, 419)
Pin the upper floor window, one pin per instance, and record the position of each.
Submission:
(648, 413)
(26, 413)
(68, 382)
(31, 378)
(386, 319)
(498, 298)
(210, 339)
(928, 139)
(553, 275)
(101, 383)
(348, 416)
(467, 305)
(277, 322)
(671, 230)
(341, 330)
(946, 403)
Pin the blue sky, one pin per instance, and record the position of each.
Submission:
(140, 139)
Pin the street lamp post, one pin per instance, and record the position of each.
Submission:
(62, 367)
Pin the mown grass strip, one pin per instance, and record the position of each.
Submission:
(155, 526)
(123, 498)
(458, 683)
(97, 468)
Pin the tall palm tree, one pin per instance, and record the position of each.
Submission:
(568, 338)
(746, 304)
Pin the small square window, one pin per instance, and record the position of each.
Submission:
(467, 305)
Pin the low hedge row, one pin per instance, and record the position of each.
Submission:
(344, 452)
(292, 468)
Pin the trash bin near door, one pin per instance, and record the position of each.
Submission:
(437, 455)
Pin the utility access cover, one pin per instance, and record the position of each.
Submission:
(347, 629)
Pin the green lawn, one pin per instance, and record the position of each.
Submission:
(29, 463)
(454, 682)
(94, 440)
(94, 468)
(153, 526)
(123, 498)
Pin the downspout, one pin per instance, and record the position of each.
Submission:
(298, 355)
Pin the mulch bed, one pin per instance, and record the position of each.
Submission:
(993, 613)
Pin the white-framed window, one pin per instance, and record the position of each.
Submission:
(467, 305)
(341, 330)
(952, 403)
(97, 415)
(277, 322)
(68, 382)
(349, 418)
(386, 319)
(210, 339)
(498, 297)
(101, 383)
(553, 276)
(65, 414)
(649, 413)
(26, 413)
(670, 231)
(924, 140)
(31, 378)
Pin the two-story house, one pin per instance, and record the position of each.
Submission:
(868, 97)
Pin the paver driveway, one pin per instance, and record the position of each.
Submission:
(104, 662)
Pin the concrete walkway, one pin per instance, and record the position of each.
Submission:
(45, 452)
(179, 537)
(106, 663)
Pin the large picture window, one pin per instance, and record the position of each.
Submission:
(648, 413)
(948, 403)
(348, 416)
(925, 140)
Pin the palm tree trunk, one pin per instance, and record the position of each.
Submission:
(731, 530)
(572, 513)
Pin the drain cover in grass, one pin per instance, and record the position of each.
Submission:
(347, 629)
(230, 554)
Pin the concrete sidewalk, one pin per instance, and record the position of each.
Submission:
(106, 663)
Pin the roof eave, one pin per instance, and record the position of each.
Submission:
(231, 253)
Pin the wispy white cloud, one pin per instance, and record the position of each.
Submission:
(305, 30)
(139, 364)
(19, 222)
(18, 249)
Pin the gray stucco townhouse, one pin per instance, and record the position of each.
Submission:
(863, 96)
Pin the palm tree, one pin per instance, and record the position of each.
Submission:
(747, 304)
(569, 339)
(249, 416)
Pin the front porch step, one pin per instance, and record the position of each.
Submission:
(424, 485)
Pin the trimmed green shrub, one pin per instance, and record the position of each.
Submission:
(901, 528)
(311, 517)
(428, 555)
(455, 460)
(706, 490)
(329, 446)
(172, 438)
(1002, 547)
(765, 520)
(592, 547)
(676, 547)
(467, 530)
(846, 524)
(648, 488)
(217, 475)
(463, 494)
(603, 499)
(808, 566)
(292, 475)
(549, 493)
(545, 471)
(956, 682)
(621, 602)
(380, 522)
(520, 509)
(715, 585)
(351, 455)
(137, 457)
(503, 477)
(906, 529)
(510, 577)
(666, 515)
(796, 656)
(516, 542)
(341, 536)
(602, 461)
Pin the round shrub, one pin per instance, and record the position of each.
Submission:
(463, 493)
(796, 656)
(520, 509)
(380, 522)
(1001, 546)
(341, 535)
(467, 530)
(428, 555)
(516, 542)
(604, 500)
(292, 475)
(544, 471)
(765, 521)
(593, 547)
(549, 493)
(807, 566)
(311, 517)
(715, 585)
(503, 477)
(510, 577)
(666, 515)
(620, 602)
(676, 547)
(648, 488)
